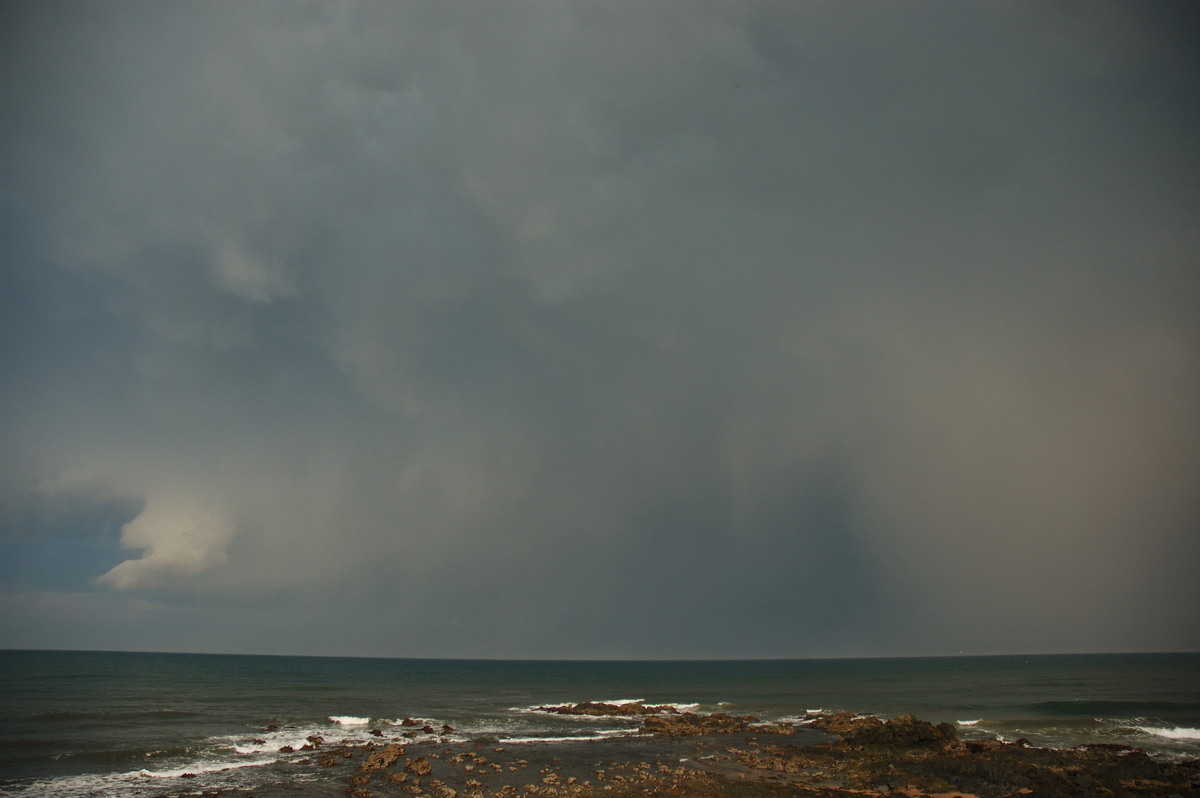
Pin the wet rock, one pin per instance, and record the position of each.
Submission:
(774, 728)
(602, 709)
(382, 758)
(923, 758)
(438, 789)
(689, 724)
(903, 732)
(903, 756)
(843, 724)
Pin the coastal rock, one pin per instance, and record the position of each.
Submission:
(689, 724)
(774, 728)
(438, 789)
(902, 732)
(903, 756)
(382, 758)
(921, 758)
(843, 724)
(602, 709)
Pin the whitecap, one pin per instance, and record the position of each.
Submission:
(349, 720)
(968, 722)
(215, 767)
(614, 701)
(1179, 733)
(795, 720)
(295, 741)
(622, 701)
(603, 735)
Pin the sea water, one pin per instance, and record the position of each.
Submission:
(142, 724)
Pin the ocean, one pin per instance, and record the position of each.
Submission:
(144, 724)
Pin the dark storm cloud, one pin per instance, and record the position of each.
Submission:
(602, 329)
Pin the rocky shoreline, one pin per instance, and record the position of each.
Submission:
(722, 756)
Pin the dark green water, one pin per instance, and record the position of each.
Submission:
(88, 723)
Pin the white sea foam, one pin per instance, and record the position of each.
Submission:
(617, 702)
(1181, 733)
(415, 724)
(968, 722)
(348, 720)
(796, 720)
(602, 735)
(341, 729)
(529, 740)
(274, 743)
(210, 773)
(214, 767)
(622, 701)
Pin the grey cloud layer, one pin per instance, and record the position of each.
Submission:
(604, 329)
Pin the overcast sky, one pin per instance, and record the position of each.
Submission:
(600, 329)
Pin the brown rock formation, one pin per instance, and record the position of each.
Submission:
(902, 732)
(689, 724)
(599, 708)
(842, 724)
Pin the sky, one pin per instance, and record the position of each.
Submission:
(600, 329)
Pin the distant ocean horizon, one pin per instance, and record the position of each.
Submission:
(90, 723)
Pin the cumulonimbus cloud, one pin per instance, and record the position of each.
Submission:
(520, 314)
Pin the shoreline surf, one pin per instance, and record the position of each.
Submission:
(133, 724)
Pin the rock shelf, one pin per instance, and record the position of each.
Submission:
(722, 756)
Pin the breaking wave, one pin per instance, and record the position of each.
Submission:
(1181, 733)
(348, 720)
